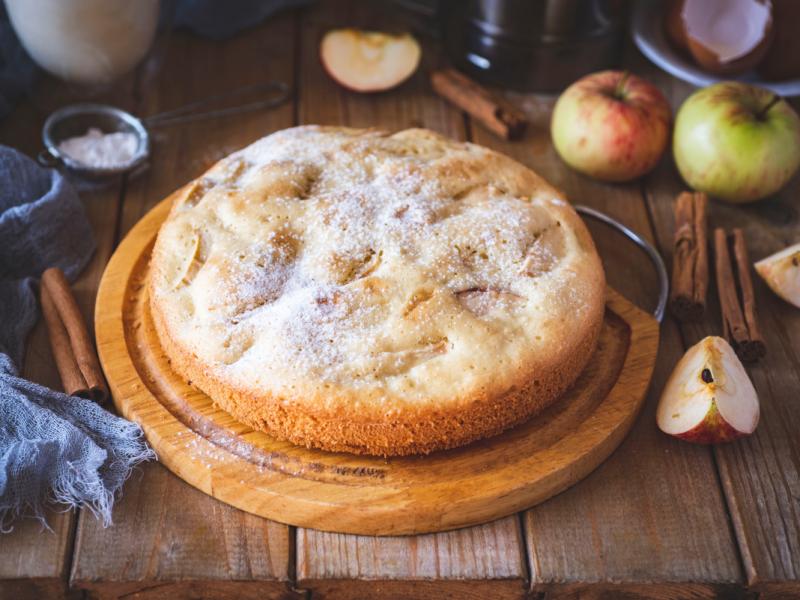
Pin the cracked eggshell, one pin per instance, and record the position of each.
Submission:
(727, 37)
(673, 25)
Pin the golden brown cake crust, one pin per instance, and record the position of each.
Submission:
(371, 293)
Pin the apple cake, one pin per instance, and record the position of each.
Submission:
(375, 293)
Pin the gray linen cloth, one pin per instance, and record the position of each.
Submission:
(53, 447)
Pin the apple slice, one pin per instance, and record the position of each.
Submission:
(781, 271)
(369, 61)
(708, 398)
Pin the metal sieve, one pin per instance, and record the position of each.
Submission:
(76, 119)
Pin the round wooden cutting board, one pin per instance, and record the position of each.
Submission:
(340, 492)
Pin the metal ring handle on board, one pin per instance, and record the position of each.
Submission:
(652, 253)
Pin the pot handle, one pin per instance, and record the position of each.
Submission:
(652, 254)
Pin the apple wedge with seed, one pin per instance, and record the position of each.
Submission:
(781, 271)
(709, 397)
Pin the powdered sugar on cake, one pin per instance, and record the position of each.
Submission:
(366, 260)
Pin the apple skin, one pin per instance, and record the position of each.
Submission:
(712, 430)
(736, 141)
(708, 377)
(611, 125)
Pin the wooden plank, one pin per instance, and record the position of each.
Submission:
(169, 539)
(34, 562)
(782, 591)
(760, 475)
(624, 524)
(651, 591)
(477, 562)
(438, 565)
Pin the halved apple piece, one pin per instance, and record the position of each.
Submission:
(708, 398)
(369, 61)
(781, 271)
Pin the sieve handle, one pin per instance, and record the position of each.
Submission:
(652, 254)
(277, 92)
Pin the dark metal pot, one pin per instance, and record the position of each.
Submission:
(540, 45)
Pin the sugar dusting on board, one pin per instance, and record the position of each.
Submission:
(210, 447)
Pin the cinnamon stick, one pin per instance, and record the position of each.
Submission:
(72, 379)
(736, 297)
(690, 257)
(72, 346)
(497, 115)
(756, 348)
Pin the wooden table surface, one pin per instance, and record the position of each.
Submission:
(660, 519)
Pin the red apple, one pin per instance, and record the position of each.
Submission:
(611, 125)
(369, 61)
(708, 398)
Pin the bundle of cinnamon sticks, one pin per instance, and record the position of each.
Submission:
(73, 350)
(690, 275)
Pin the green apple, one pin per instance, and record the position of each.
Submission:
(611, 125)
(736, 141)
